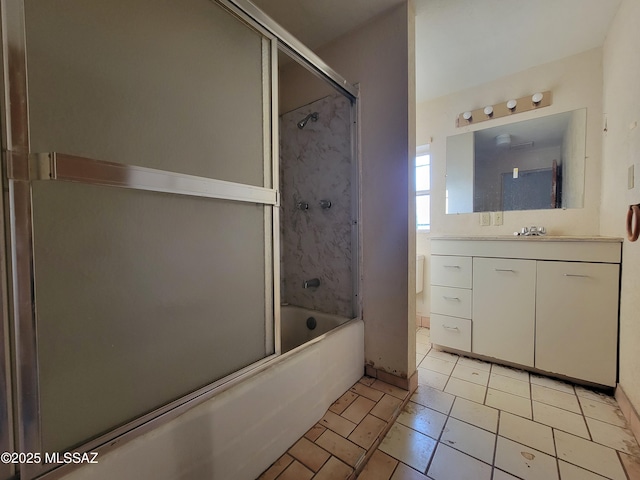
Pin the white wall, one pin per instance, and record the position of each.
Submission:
(379, 57)
(621, 149)
(575, 82)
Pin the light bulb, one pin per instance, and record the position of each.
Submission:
(536, 98)
(511, 104)
(488, 111)
(466, 116)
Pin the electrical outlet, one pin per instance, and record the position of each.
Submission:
(485, 219)
(497, 218)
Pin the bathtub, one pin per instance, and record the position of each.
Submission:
(300, 325)
(238, 433)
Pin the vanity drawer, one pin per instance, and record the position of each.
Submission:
(454, 302)
(451, 332)
(451, 271)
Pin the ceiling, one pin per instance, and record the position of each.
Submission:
(461, 43)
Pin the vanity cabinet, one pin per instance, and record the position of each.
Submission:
(576, 319)
(504, 306)
(549, 304)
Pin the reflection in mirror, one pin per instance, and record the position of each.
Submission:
(529, 165)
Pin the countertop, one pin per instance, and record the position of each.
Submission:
(534, 238)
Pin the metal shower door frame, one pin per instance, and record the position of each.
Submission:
(20, 429)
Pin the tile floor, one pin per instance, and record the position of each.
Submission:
(468, 420)
(472, 420)
(343, 440)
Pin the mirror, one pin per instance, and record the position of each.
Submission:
(528, 165)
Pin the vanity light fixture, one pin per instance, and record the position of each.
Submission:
(504, 109)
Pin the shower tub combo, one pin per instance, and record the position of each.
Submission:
(300, 325)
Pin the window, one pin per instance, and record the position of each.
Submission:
(423, 188)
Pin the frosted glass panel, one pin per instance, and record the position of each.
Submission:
(141, 298)
(172, 85)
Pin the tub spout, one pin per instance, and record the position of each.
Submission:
(314, 282)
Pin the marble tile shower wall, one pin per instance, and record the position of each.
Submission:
(315, 165)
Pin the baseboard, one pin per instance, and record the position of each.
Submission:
(629, 412)
(409, 384)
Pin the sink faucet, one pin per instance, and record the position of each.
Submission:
(314, 282)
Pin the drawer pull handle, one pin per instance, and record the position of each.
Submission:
(451, 298)
(574, 275)
(505, 270)
(447, 327)
(451, 266)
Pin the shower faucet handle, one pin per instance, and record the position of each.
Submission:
(302, 206)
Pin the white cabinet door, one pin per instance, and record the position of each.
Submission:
(577, 320)
(504, 309)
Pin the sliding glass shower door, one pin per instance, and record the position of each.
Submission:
(143, 205)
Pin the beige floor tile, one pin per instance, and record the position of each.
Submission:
(466, 467)
(407, 473)
(449, 357)
(366, 380)
(296, 471)
(433, 398)
(368, 431)
(509, 403)
(277, 468)
(390, 389)
(337, 423)
(471, 374)
(525, 462)
(438, 365)
(343, 402)
(347, 451)
(309, 454)
(527, 432)
(631, 466)
(422, 419)
(589, 455)
(613, 436)
(509, 385)
(603, 412)
(469, 439)
(365, 391)
(560, 419)
(571, 472)
(386, 408)
(551, 383)
(422, 348)
(379, 467)
(431, 378)
(334, 469)
(408, 446)
(500, 475)
(474, 363)
(358, 409)
(510, 372)
(556, 398)
(314, 432)
(475, 414)
(464, 389)
(594, 395)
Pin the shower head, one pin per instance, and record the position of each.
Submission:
(312, 116)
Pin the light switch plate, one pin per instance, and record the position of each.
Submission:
(497, 218)
(485, 219)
